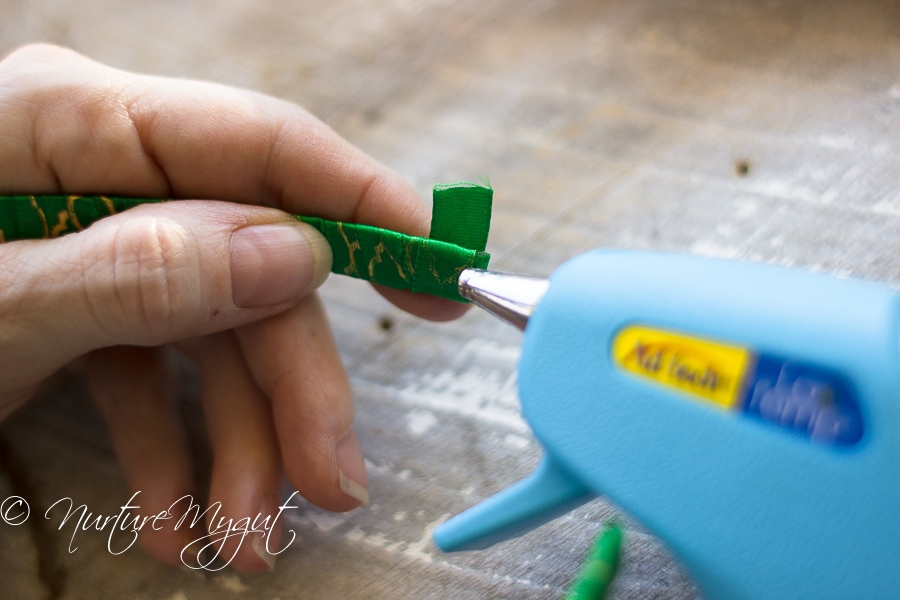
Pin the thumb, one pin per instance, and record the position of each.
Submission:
(155, 274)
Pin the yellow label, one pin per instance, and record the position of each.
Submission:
(705, 369)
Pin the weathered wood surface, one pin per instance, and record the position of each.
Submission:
(601, 124)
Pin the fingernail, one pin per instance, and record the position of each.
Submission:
(267, 508)
(352, 477)
(277, 263)
(259, 546)
(190, 559)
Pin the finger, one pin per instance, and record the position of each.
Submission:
(295, 361)
(80, 125)
(151, 275)
(93, 125)
(246, 475)
(425, 306)
(135, 391)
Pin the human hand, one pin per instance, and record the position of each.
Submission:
(231, 281)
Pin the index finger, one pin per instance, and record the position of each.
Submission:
(83, 127)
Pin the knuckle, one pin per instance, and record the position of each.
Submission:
(153, 283)
(40, 52)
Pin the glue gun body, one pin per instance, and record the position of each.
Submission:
(747, 415)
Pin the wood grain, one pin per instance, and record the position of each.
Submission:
(765, 131)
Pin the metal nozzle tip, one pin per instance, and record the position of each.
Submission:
(509, 297)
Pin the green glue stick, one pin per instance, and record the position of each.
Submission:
(599, 568)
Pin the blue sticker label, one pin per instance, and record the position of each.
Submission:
(806, 399)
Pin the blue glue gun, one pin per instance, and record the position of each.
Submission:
(747, 415)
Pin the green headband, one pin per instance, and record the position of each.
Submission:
(459, 229)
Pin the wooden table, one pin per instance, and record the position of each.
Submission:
(758, 130)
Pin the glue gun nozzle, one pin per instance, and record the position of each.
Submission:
(509, 297)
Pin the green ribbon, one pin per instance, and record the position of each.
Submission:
(459, 230)
(39, 217)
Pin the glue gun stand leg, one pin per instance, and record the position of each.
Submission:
(550, 491)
